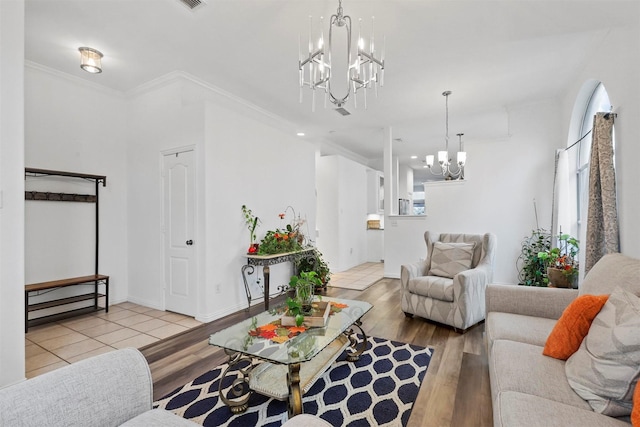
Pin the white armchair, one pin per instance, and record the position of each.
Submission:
(449, 285)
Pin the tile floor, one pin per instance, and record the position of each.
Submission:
(53, 345)
(359, 277)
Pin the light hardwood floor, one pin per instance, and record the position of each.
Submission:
(455, 391)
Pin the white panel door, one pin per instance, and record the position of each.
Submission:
(179, 218)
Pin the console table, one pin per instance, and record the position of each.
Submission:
(265, 261)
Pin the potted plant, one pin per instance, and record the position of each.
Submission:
(252, 223)
(304, 285)
(561, 262)
(532, 270)
(314, 262)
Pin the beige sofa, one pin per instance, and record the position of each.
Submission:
(111, 389)
(528, 388)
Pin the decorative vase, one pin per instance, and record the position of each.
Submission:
(558, 278)
(253, 249)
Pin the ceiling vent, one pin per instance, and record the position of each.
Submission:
(193, 4)
(343, 111)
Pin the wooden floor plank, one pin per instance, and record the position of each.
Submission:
(455, 391)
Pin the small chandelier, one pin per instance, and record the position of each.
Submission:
(90, 60)
(446, 169)
(315, 68)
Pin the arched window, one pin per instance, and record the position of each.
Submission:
(593, 98)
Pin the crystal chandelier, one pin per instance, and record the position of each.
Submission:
(315, 68)
(446, 167)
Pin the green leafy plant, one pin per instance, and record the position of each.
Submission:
(531, 268)
(314, 262)
(563, 257)
(288, 238)
(279, 241)
(252, 222)
(304, 284)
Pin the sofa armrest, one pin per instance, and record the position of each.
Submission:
(108, 389)
(409, 271)
(529, 300)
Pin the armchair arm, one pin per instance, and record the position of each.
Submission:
(528, 300)
(469, 295)
(409, 271)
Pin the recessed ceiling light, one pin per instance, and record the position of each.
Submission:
(414, 157)
(425, 166)
(300, 133)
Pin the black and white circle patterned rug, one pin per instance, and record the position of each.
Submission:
(377, 390)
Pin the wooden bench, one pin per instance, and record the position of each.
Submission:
(95, 279)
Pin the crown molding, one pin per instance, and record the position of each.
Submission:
(175, 76)
(73, 79)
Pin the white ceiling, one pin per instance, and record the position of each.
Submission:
(492, 54)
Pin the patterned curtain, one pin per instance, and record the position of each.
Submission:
(602, 214)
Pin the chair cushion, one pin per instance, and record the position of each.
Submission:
(449, 259)
(435, 287)
(605, 368)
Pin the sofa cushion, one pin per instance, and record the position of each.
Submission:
(521, 367)
(635, 412)
(159, 418)
(605, 368)
(449, 259)
(517, 327)
(435, 287)
(610, 271)
(519, 409)
(573, 326)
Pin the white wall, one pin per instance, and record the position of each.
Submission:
(250, 161)
(158, 121)
(496, 196)
(12, 356)
(617, 65)
(74, 126)
(342, 211)
(244, 156)
(327, 214)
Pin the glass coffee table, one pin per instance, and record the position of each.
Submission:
(285, 371)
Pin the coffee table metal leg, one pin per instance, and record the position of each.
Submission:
(358, 346)
(240, 390)
(295, 394)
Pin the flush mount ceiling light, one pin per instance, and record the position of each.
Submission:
(90, 60)
(443, 156)
(315, 67)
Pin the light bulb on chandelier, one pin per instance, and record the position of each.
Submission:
(315, 67)
(446, 167)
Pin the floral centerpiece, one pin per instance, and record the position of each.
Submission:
(561, 262)
(287, 238)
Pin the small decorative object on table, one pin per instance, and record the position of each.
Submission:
(252, 223)
(561, 262)
(304, 285)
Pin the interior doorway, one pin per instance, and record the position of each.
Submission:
(180, 284)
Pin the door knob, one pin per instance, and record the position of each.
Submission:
(189, 242)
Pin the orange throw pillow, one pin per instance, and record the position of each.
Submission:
(573, 326)
(635, 412)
